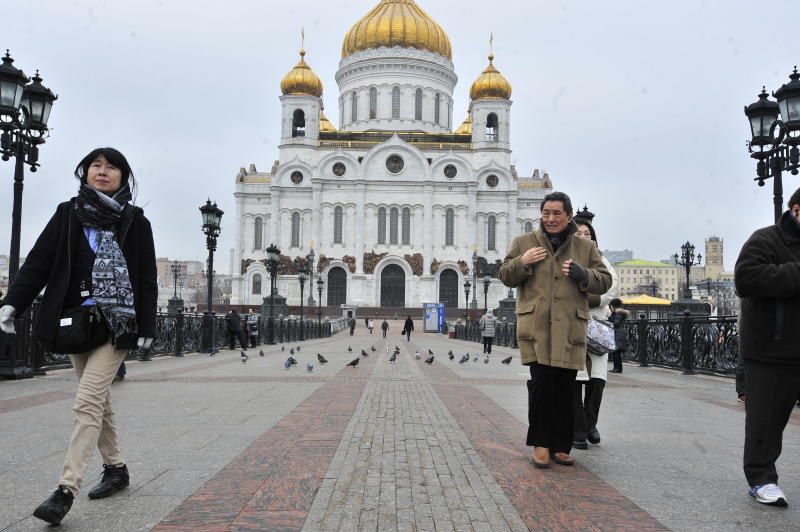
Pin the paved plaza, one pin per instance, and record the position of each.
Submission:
(214, 444)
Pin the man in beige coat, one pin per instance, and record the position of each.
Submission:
(553, 272)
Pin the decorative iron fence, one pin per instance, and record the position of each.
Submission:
(505, 332)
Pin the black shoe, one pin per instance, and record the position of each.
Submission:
(615, 370)
(580, 444)
(114, 479)
(56, 506)
(593, 437)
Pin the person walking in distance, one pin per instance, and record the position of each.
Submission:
(487, 324)
(235, 329)
(408, 326)
(252, 327)
(617, 319)
(352, 324)
(767, 277)
(96, 261)
(385, 327)
(371, 326)
(554, 272)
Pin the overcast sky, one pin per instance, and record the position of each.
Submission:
(634, 107)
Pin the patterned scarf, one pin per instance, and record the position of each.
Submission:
(111, 285)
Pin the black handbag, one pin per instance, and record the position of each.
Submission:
(80, 329)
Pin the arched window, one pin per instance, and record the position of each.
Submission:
(492, 133)
(295, 229)
(436, 107)
(257, 284)
(528, 227)
(354, 107)
(382, 225)
(257, 237)
(491, 233)
(337, 225)
(393, 226)
(299, 123)
(395, 102)
(449, 223)
(373, 103)
(418, 105)
(406, 222)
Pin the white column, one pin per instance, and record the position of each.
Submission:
(316, 214)
(427, 239)
(513, 223)
(361, 198)
(472, 220)
(275, 230)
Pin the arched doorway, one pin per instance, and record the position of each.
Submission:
(337, 286)
(393, 286)
(448, 288)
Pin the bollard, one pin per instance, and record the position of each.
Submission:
(687, 346)
(179, 321)
(642, 347)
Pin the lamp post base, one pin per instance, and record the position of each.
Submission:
(208, 332)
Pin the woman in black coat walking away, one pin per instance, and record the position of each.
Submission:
(408, 326)
(97, 260)
(617, 319)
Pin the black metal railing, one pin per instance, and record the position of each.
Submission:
(505, 333)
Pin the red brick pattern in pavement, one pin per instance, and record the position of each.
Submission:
(556, 499)
(272, 484)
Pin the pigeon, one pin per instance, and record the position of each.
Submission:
(244, 357)
(506, 361)
(298, 348)
(261, 352)
(429, 351)
(364, 353)
(429, 360)
(450, 355)
(486, 360)
(417, 355)
(322, 359)
(353, 362)
(288, 363)
(349, 348)
(463, 359)
(372, 348)
(475, 359)
(213, 352)
(291, 351)
(283, 348)
(309, 367)
(387, 349)
(393, 357)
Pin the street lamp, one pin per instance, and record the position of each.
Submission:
(320, 282)
(474, 274)
(273, 257)
(310, 260)
(301, 276)
(467, 284)
(212, 217)
(776, 154)
(176, 273)
(687, 260)
(24, 111)
(487, 280)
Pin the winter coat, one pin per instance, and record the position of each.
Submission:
(620, 334)
(767, 277)
(385, 325)
(488, 323)
(408, 326)
(552, 309)
(234, 322)
(51, 263)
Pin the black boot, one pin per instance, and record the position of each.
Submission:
(114, 479)
(594, 396)
(56, 506)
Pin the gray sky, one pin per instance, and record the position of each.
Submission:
(633, 106)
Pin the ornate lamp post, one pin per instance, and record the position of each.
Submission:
(320, 282)
(687, 260)
(212, 217)
(467, 285)
(301, 276)
(175, 303)
(310, 261)
(487, 280)
(776, 154)
(273, 257)
(24, 111)
(474, 274)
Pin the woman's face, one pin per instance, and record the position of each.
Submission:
(104, 176)
(583, 230)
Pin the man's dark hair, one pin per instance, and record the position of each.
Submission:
(795, 199)
(558, 196)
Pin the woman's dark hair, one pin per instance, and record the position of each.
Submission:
(558, 196)
(795, 199)
(112, 156)
(584, 221)
(616, 302)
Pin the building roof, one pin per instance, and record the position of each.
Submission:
(643, 262)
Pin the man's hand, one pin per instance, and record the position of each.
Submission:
(7, 313)
(534, 255)
(144, 343)
(574, 271)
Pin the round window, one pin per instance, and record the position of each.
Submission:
(297, 177)
(395, 164)
(450, 171)
(492, 181)
(339, 169)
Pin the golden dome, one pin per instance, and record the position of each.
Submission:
(466, 127)
(397, 23)
(325, 125)
(490, 84)
(301, 80)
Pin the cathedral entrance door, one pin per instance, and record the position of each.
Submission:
(393, 286)
(337, 287)
(448, 288)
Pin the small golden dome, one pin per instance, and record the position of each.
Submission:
(397, 23)
(466, 127)
(301, 80)
(325, 125)
(490, 84)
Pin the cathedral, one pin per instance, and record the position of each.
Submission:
(396, 205)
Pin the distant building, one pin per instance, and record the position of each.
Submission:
(713, 258)
(615, 256)
(657, 279)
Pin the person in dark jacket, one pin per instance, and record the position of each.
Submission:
(235, 329)
(97, 250)
(352, 325)
(408, 326)
(384, 327)
(767, 277)
(617, 318)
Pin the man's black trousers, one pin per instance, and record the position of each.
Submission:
(772, 391)
(550, 409)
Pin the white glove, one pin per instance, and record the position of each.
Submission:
(7, 314)
(144, 343)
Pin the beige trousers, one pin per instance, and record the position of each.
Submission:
(94, 420)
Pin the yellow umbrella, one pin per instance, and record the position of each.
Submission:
(647, 300)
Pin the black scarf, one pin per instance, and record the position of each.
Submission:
(556, 239)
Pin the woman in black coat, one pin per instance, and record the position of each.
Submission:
(95, 256)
